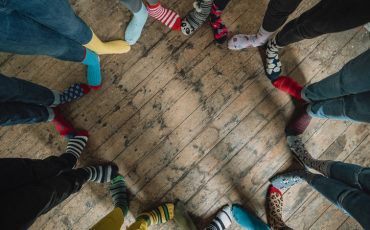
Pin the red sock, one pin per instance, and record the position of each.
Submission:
(62, 126)
(166, 16)
(299, 122)
(289, 86)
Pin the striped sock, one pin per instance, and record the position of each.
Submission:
(222, 220)
(74, 92)
(166, 16)
(196, 17)
(159, 215)
(75, 146)
(118, 191)
(102, 173)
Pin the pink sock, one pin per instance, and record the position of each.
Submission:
(290, 86)
(62, 126)
(166, 16)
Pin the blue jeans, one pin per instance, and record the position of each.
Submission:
(348, 188)
(343, 95)
(23, 102)
(42, 27)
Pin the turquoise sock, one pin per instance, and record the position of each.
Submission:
(136, 25)
(93, 68)
(246, 219)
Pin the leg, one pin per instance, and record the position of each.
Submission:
(137, 23)
(20, 113)
(219, 29)
(112, 221)
(353, 201)
(353, 107)
(351, 79)
(31, 201)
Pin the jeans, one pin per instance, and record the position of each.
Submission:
(327, 16)
(33, 187)
(348, 188)
(42, 27)
(23, 102)
(343, 95)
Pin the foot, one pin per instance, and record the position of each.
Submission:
(159, 215)
(275, 208)
(223, 219)
(241, 41)
(62, 126)
(92, 61)
(273, 64)
(219, 29)
(75, 146)
(182, 218)
(119, 193)
(246, 219)
(299, 122)
(136, 25)
(290, 86)
(168, 17)
(102, 173)
(73, 92)
(286, 180)
(196, 17)
(111, 47)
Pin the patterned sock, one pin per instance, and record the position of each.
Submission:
(298, 149)
(159, 215)
(275, 208)
(290, 86)
(62, 126)
(93, 69)
(273, 64)
(166, 16)
(75, 147)
(223, 219)
(118, 191)
(136, 25)
(286, 180)
(299, 122)
(243, 41)
(196, 17)
(74, 92)
(219, 29)
(102, 173)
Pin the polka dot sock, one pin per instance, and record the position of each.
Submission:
(74, 92)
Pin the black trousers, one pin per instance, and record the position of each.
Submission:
(327, 16)
(31, 188)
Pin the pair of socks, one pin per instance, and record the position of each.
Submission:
(244, 41)
(166, 16)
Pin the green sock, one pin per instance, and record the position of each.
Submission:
(118, 191)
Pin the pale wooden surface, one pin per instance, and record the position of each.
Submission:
(186, 119)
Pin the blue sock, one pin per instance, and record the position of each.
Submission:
(246, 219)
(93, 68)
(136, 25)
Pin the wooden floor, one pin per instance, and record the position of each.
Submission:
(186, 119)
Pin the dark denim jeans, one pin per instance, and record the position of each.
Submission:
(23, 102)
(344, 95)
(348, 188)
(42, 27)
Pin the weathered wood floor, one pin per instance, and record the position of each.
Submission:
(186, 119)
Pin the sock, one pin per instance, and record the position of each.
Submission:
(246, 219)
(275, 208)
(168, 17)
(159, 215)
(62, 126)
(196, 17)
(93, 69)
(219, 29)
(112, 47)
(290, 86)
(299, 122)
(273, 64)
(102, 173)
(118, 191)
(182, 218)
(74, 92)
(223, 219)
(297, 147)
(75, 146)
(286, 180)
(136, 25)
(243, 41)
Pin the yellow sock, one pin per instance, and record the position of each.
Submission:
(112, 47)
(138, 225)
(112, 221)
(159, 215)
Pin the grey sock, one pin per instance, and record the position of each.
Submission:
(286, 180)
(196, 17)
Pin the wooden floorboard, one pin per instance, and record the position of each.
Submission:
(187, 119)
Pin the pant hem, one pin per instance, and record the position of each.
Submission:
(56, 101)
(51, 114)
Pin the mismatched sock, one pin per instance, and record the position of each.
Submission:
(219, 29)
(290, 86)
(62, 126)
(119, 193)
(136, 25)
(273, 64)
(102, 173)
(275, 208)
(196, 17)
(111, 47)
(299, 122)
(286, 180)
(246, 219)
(168, 17)
(74, 92)
(93, 69)
(76, 145)
(159, 215)
(223, 219)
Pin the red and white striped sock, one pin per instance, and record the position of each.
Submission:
(166, 16)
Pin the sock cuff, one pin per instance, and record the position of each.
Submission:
(56, 101)
(152, 7)
(51, 114)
